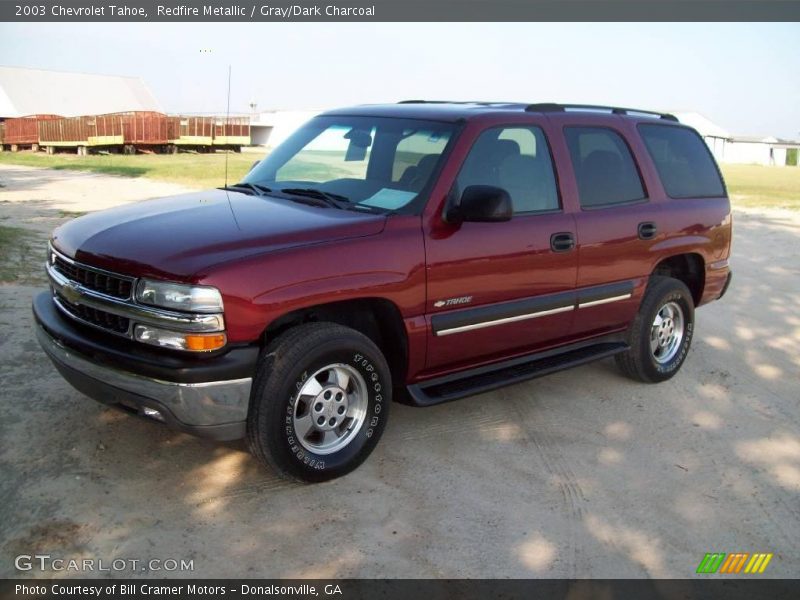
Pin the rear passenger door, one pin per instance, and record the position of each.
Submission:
(617, 224)
(496, 289)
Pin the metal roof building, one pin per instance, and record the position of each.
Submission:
(728, 148)
(36, 91)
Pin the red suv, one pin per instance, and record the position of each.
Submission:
(420, 252)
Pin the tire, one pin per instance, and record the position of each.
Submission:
(301, 380)
(661, 333)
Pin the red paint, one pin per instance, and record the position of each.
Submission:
(271, 256)
(142, 128)
(24, 131)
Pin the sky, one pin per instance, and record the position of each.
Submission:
(743, 76)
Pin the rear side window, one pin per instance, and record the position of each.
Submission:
(604, 167)
(683, 162)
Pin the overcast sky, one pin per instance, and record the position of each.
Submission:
(744, 77)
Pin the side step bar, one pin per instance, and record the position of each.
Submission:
(490, 377)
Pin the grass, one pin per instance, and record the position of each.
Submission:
(195, 170)
(22, 255)
(756, 186)
(749, 185)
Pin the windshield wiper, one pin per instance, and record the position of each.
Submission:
(334, 200)
(259, 189)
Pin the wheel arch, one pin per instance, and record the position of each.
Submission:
(688, 267)
(377, 318)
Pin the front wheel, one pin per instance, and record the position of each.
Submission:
(319, 403)
(661, 333)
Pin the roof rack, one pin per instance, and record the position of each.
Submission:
(553, 107)
(482, 103)
(429, 102)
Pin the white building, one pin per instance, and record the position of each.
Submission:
(39, 92)
(739, 149)
(758, 150)
(270, 128)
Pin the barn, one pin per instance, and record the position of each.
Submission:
(39, 92)
(741, 149)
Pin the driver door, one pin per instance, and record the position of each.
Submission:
(497, 289)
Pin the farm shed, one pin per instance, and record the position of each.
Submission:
(26, 92)
(232, 131)
(139, 129)
(728, 148)
(759, 150)
(190, 131)
(23, 132)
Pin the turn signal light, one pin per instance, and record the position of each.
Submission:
(194, 342)
(201, 343)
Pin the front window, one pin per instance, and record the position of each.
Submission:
(518, 160)
(369, 163)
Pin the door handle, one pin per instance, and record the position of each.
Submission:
(647, 230)
(562, 242)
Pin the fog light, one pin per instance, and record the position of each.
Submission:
(195, 342)
(153, 413)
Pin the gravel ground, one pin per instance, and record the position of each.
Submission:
(579, 474)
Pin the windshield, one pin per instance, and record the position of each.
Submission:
(370, 163)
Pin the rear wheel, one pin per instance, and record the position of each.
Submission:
(319, 403)
(661, 333)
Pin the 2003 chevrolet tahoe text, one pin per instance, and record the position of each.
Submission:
(419, 252)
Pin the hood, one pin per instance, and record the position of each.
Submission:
(183, 236)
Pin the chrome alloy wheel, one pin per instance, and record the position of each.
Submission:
(330, 409)
(667, 332)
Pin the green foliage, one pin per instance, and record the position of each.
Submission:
(758, 186)
(200, 171)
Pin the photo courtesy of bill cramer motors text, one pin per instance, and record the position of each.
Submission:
(150, 590)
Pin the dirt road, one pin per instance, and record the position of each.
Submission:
(579, 474)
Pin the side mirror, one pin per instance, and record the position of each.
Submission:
(481, 204)
(253, 166)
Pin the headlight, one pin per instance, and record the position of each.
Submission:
(189, 298)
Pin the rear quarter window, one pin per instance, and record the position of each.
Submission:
(683, 162)
(604, 167)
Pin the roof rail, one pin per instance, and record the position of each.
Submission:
(476, 102)
(553, 107)
(431, 102)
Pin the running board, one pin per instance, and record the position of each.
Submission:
(491, 377)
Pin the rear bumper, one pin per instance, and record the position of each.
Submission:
(727, 284)
(188, 395)
(718, 278)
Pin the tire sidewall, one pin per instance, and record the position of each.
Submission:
(661, 371)
(282, 437)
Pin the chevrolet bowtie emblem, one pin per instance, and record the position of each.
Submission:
(71, 292)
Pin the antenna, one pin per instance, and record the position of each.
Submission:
(227, 123)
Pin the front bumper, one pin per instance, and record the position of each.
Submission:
(208, 396)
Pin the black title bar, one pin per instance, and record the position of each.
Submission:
(731, 588)
(69, 11)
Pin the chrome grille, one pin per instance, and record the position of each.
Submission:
(95, 317)
(105, 300)
(94, 279)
